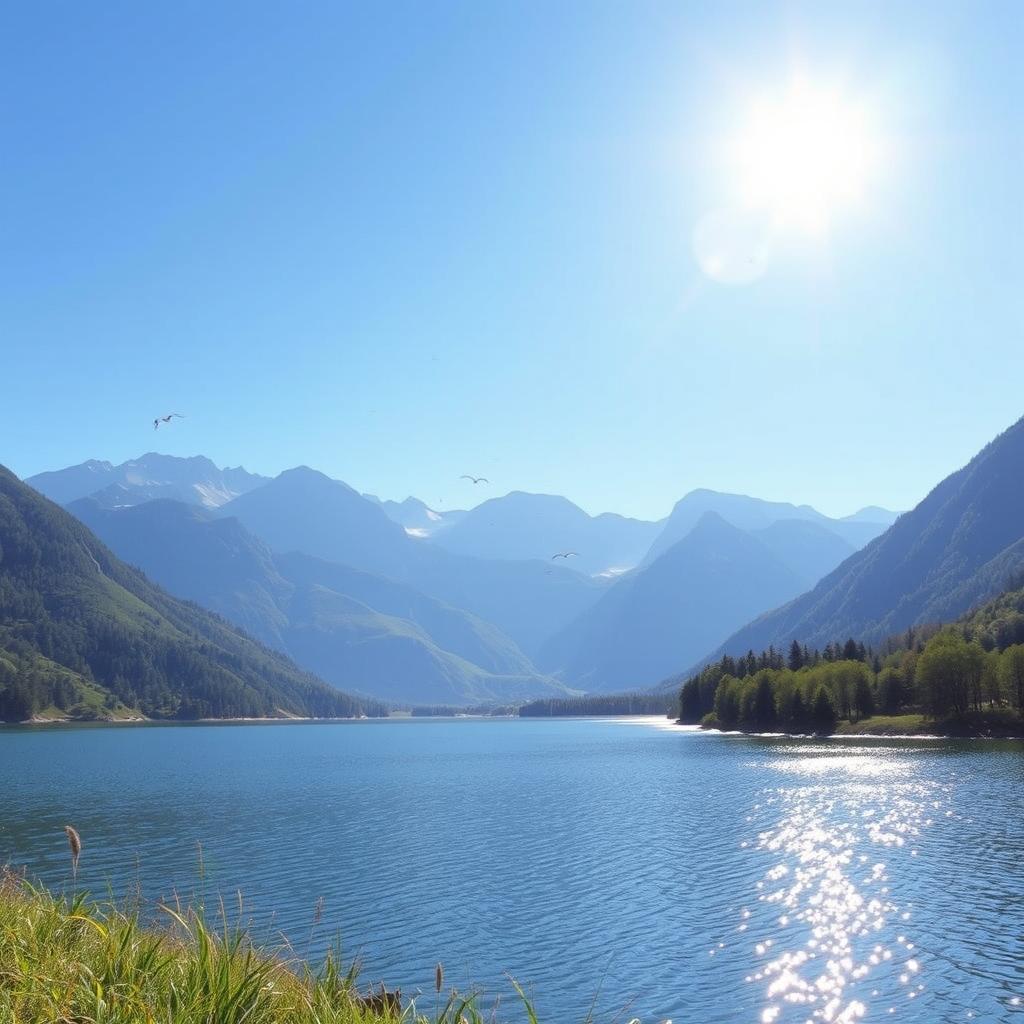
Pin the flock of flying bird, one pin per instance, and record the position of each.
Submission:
(465, 476)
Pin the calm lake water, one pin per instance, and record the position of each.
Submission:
(664, 872)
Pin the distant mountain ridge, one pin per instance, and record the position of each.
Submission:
(316, 569)
(958, 547)
(363, 632)
(520, 526)
(80, 631)
(755, 514)
(304, 510)
(193, 480)
(661, 615)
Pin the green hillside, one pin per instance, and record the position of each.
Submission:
(84, 635)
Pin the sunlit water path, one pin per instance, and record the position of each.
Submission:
(662, 872)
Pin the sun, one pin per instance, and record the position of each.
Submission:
(804, 155)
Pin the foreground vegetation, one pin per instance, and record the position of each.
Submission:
(961, 680)
(80, 963)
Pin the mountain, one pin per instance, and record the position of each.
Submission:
(872, 514)
(304, 511)
(660, 617)
(754, 514)
(353, 628)
(83, 632)
(956, 548)
(809, 549)
(194, 480)
(521, 526)
(416, 516)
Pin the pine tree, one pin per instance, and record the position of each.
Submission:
(796, 657)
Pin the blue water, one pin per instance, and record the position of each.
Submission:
(662, 872)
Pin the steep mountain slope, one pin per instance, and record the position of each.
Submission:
(754, 514)
(70, 609)
(657, 618)
(372, 634)
(521, 526)
(195, 481)
(303, 510)
(956, 548)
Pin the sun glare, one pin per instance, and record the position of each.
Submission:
(804, 155)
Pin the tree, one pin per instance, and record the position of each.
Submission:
(764, 702)
(949, 673)
(863, 698)
(892, 690)
(796, 657)
(727, 702)
(823, 712)
(1011, 674)
(690, 709)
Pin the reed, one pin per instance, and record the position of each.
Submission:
(70, 959)
(75, 844)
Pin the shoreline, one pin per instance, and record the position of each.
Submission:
(890, 729)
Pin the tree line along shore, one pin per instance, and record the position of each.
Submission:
(962, 679)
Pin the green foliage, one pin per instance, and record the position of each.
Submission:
(81, 631)
(893, 692)
(953, 673)
(1011, 674)
(823, 716)
(72, 961)
(949, 674)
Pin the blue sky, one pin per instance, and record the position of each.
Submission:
(405, 242)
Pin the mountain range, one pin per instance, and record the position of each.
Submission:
(195, 481)
(664, 614)
(963, 543)
(82, 633)
(356, 629)
(397, 600)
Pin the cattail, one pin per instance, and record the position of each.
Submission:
(438, 977)
(75, 842)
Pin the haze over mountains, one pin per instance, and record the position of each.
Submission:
(660, 616)
(85, 634)
(401, 601)
(961, 545)
(355, 629)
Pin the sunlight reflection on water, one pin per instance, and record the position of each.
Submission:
(827, 907)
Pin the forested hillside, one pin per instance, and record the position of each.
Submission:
(85, 635)
(946, 674)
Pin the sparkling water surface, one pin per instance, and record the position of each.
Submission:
(651, 872)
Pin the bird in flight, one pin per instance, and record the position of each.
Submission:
(475, 479)
(166, 419)
(565, 554)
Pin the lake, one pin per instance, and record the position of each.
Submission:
(653, 871)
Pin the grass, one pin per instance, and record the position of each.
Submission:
(71, 961)
(888, 725)
(991, 722)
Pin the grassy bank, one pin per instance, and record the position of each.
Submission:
(75, 962)
(992, 722)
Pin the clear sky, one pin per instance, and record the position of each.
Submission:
(404, 242)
